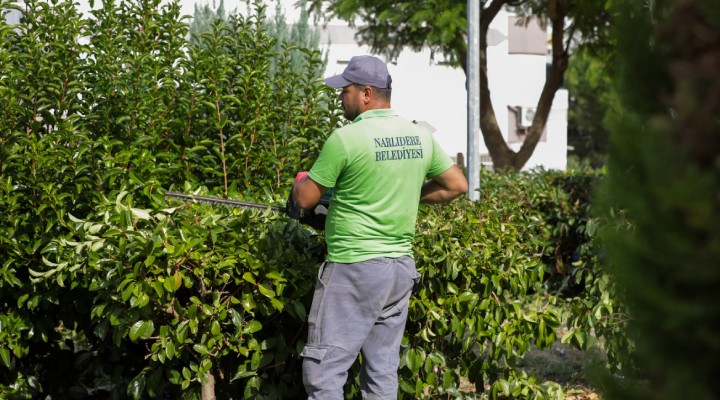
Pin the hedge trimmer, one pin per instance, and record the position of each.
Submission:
(314, 217)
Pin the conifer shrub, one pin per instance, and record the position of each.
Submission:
(663, 182)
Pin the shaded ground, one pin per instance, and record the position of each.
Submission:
(561, 364)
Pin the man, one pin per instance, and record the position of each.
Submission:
(378, 167)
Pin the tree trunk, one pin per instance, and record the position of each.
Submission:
(502, 155)
(554, 80)
(208, 388)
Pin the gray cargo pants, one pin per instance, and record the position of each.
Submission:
(359, 307)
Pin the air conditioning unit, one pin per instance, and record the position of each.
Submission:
(525, 116)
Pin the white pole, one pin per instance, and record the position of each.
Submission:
(473, 99)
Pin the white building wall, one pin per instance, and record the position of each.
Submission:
(552, 154)
(427, 91)
(434, 94)
(11, 16)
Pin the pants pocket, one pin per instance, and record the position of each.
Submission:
(313, 352)
(314, 322)
(312, 369)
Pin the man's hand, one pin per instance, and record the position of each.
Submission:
(306, 192)
(300, 177)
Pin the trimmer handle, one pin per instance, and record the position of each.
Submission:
(314, 217)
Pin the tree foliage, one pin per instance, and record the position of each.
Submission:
(298, 35)
(664, 180)
(289, 39)
(204, 17)
(441, 25)
(589, 80)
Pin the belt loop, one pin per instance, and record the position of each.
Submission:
(321, 269)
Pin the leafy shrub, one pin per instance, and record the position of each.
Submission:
(493, 285)
(468, 318)
(110, 290)
(99, 115)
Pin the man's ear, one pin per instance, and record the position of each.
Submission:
(367, 93)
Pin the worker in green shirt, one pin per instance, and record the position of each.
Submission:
(380, 167)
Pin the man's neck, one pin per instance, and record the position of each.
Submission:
(377, 105)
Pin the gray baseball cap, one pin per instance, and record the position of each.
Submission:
(364, 70)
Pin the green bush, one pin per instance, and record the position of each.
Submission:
(101, 114)
(478, 261)
(108, 289)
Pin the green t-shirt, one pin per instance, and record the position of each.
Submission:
(377, 166)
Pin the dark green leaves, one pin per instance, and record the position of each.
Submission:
(144, 298)
(101, 113)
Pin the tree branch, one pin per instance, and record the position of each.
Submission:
(500, 153)
(557, 13)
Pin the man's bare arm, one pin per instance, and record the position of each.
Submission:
(445, 187)
(307, 193)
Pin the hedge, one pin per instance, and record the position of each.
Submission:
(111, 290)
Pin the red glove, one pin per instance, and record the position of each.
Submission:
(300, 176)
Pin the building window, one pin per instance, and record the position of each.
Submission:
(519, 122)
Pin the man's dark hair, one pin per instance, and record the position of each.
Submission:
(380, 93)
